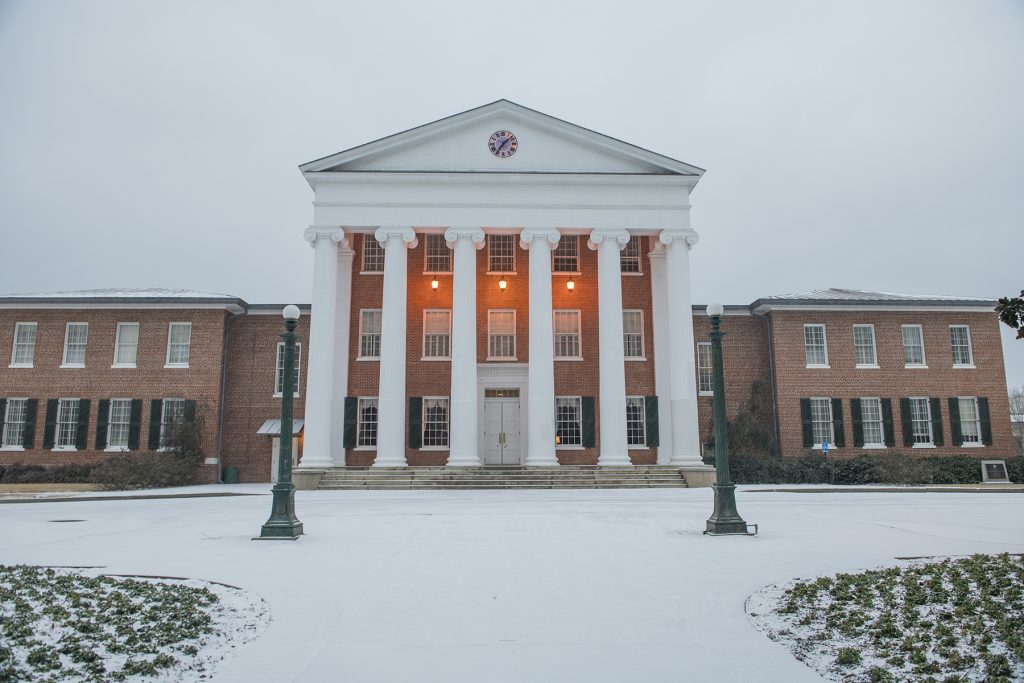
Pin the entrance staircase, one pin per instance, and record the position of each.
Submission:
(504, 477)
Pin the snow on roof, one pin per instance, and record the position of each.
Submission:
(147, 295)
(835, 295)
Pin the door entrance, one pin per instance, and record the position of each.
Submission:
(501, 427)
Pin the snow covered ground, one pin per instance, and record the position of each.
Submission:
(510, 585)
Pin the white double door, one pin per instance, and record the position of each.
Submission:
(502, 443)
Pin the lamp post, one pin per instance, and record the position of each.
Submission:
(283, 524)
(725, 519)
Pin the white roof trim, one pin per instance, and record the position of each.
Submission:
(272, 427)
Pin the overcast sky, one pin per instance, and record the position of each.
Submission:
(871, 145)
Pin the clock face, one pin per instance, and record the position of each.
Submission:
(503, 144)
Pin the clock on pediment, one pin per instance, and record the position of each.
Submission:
(503, 144)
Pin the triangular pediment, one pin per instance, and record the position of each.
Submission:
(459, 144)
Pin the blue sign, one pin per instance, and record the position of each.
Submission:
(824, 448)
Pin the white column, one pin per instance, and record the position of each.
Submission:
(391, 390)
(612, 368)
(462, 404)
(316, 450)
(683, 378)
(540, 407)
(662, 351)
(342, 322)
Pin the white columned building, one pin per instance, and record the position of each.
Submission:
(540, 442)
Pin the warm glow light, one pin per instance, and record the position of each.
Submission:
(434, 283)
(503, 284)
(570, 285)
(558, 439)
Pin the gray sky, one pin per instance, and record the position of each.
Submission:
(872, 145)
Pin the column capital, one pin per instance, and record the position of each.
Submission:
(616, 235)
(406, 234)
(531, 236)
(475, 235)
(322, 232)
(687, 236)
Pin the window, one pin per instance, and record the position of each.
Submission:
(279, 369)
(67, 424)
(705, 370)
(179, 338)
(970, 421)
(565, 257)
(636, 422)
(438, 255)
(821, 421)
(633, 334)
(118, 424)
(373, 255)
(871, 422)
(920, 421)
(75, 337)
(501, 334)
(814, 346)
(369, 333)
(437, 333)
(126, 345)
(366, 423)
(435, 423)
(568, 421)
(24, 345)
(173, 415)
(864, 345)
(501, 257)
(913, 346)
(960, 340)
(629, 257)
(567, 334)
(14, 423)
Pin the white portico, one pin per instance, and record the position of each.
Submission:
(500, 169)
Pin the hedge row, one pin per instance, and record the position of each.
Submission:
(122, 472)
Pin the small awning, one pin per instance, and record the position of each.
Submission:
(273, 427)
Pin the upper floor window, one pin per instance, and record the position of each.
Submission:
(119, 421)
(179, 339)
(913, 346)
(279, 369)
(373, 255)
(566, 256)
(24, 345)
(437, 333)
(438, 255)
(67, 424)
(633, 334)
(815, 348)
(705, 371)
(568, 421)
(567, 334)
(629, 257)
(369, 333)
(636, 422)
(76, 335)
(366, 423)
(172, 415)
(126, 345)
(871, 422)
(921, 422)
(501, 334)
(14, 423)
(435, 422)
(864, 346)
(960, 340)
(501, 253)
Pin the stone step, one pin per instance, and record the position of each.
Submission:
(355, 486)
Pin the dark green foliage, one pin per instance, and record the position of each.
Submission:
(751, 430)
(37, 474)
(1011, 312)
(848, 656)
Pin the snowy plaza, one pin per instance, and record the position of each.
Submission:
(510, 585)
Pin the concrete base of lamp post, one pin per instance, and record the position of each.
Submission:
(725, 520)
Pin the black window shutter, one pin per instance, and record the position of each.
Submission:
(651, 410)
(837, 422)
(31, 408)
(351, 406)
(908, 427)
(937, 437)
(135, 426)
(956, 431)
(82, 434)
(190, 411)
(156, 407)
(50, 427)
(102, 419)
(858, 423)
(587, 410)
(3, 411)
(887, 422)
(986, 422)
(415, 421)
(805, 418)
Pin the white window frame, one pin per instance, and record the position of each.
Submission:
(633, 243)
(117, 345)
(164, 421)
(490, 255)
(127, 426)
(579, 406)
(970, 347)
(360, 422)
(565, 239)
(490, 335)
(429, 240)
(32, 346)
(58, 440)
(578, 333)
(924, 358)
(928, 411)
(831, 423)
(427, 311)
(874, 400)
(709, 370)
(4, 446)
(279, 368)
(448, 424)
(188, 346)
(85, 345)
(643, 341)
(874, 346)
(643, 421)
(977, 422)
(367, 240)
(364, 334)
(824, 346)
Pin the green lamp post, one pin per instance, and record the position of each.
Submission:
(283, 524)
(725, 520)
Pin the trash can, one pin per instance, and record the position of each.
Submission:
(230, 475)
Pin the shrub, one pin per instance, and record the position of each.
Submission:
(866, 468)
(1015, 469)
(859, 470)
(37, 474)
(145, 471)
(848, 656)
(955, 469)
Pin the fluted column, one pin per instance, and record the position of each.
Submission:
(683, 379)
(540, 407)
(316, 450)
(611, 356)
(391, 391)
(662, 351)
(463, 429)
